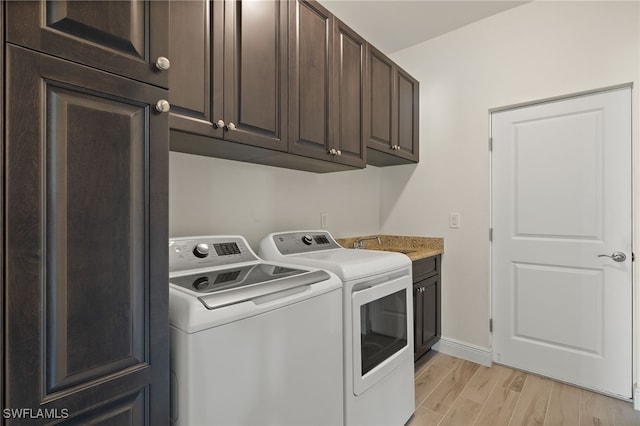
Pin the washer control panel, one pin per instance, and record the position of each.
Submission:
(208, 251)
(304, 242)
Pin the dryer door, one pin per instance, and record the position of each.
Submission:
(382, 315)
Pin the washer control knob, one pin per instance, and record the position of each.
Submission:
(307, 240)
(201, 250)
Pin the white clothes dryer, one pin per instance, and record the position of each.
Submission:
(378, 322)
(252, 343)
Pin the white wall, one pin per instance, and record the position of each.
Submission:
(535, 51)
(215, 196)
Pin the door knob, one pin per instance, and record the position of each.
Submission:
(617, 256)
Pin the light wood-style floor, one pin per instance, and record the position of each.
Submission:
(452, 391)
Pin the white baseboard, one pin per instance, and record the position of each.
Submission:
(473, 353)
(636, 398)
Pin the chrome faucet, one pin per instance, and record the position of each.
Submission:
(360, 243)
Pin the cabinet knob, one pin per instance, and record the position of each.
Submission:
(333, 151)
(338, 152)
(162, 63)
(219, 124)
(231, 126)
(163, 105)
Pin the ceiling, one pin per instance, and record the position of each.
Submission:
(392, 25)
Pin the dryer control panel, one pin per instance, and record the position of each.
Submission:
(208, 251)
(304, 242)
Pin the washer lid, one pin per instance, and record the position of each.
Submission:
(217, 288)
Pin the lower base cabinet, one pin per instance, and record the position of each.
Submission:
(426, 304)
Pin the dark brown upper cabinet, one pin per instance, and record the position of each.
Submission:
(86, 229)
(350, 103)
(327, 93)
(128, 38)
(229, 74)
(284, 83)
(394, 113)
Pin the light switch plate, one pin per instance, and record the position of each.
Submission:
(454, 220)
(324, 220)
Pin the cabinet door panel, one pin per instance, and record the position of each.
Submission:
(197, 30)
(128, 411)
(86, 293)
(407, 115)
(88, 200)
(381, 76)
(116, 36)
(310, 79)
(350, 112)
(430, 313)
(255, 89)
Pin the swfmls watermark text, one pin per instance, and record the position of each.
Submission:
(36, 413)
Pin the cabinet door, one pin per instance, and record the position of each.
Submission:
(406, 115)
(430, 309)
(255, 73)
(426, 314)
(196, 51)
(123, 37)
(394, 114)
(418, 313)
(86, 244)
(350, 114)
(310, 72)
(381, 95)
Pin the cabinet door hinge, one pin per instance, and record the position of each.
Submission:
(633, 257)
(490, 144)
(490, 234)
(490, 325)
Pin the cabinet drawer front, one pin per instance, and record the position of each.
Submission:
(423, 268)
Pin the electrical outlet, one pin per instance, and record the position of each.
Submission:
(324, 220)
(454, 220)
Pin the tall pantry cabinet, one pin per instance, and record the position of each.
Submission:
(85, 169)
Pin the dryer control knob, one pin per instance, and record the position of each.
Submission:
(307, 240)
(201, 250)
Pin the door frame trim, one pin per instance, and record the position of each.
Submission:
(558, 98)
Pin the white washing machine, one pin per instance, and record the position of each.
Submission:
(252, 343)
(378, 322)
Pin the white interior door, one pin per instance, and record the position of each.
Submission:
(561, 199)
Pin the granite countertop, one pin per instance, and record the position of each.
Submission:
(414, 247)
